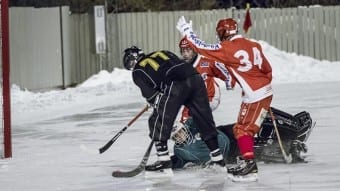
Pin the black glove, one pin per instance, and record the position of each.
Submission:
(154, 100)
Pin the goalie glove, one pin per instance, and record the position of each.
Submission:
(183, 27)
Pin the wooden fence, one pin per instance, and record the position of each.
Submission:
(62, 44)
(156, 30)
(309, 31)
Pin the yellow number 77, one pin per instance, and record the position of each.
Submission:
(153, 63)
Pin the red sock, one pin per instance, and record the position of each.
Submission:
(246, 146)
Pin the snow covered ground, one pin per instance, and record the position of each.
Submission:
(56, 134)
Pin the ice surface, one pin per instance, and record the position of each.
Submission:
(56, 134)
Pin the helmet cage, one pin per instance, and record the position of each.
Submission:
(181, 135)
(131, 55)
(130, 60)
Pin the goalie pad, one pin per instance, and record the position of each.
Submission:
(294, 132)
(297, 127)
(270, 152)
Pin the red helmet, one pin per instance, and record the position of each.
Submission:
(188, 56)
(184, 43)
(226, 27)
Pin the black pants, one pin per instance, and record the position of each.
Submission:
(192, 93)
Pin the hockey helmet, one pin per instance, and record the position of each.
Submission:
(184, 43)
(189, 55)
(131, 56)
(181, 134)
(226, 28)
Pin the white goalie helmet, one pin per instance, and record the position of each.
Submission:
(180, 134)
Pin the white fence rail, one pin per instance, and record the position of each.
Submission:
(312, 31)
(309, 31)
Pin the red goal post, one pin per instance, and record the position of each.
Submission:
(5, 135)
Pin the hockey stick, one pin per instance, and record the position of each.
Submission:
(288, 158)
(138, 169)
(108, 144)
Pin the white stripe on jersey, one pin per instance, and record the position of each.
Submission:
(251, 96)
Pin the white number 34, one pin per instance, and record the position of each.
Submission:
(246, 63)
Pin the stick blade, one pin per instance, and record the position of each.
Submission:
(127, 174)
(140, 168)
(106, 146)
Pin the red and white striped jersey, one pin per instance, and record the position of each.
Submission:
(210, 70)
(246, 62)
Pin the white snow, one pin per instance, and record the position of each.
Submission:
(56, 134)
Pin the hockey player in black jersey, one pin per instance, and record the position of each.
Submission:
(167, 83)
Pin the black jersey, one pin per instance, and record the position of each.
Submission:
(157, 69)
(168, 83)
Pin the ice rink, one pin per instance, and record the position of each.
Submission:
(56, 134)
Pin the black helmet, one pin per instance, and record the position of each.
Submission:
(131, 56)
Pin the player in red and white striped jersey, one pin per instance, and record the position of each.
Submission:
(252, 71)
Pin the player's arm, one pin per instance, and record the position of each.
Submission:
(215, 100)
(146, 86)
(221, 72)
(212, 51)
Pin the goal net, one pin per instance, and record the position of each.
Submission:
(5, 113)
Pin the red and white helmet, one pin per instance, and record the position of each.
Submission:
(226, 28)
(188, 53)
(184, 43)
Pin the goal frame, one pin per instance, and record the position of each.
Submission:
(6, 121)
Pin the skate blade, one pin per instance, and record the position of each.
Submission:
(252, 177)
(165, 173)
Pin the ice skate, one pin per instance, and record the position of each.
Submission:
(244, 171)
(159, 169)
(216, 162)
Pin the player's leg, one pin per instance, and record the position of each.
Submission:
(161, 123)
(249, 121)
(203, 118)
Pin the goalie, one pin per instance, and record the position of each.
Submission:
(294, 131)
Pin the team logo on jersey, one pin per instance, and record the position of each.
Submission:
(202, 44)
(204, 64)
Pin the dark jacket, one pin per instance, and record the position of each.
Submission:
(158, 69)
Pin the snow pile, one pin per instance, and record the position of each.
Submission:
(292, 68)
(287, 68)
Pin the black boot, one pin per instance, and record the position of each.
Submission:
(217, 158)
(245, 171)
(159, 166)
(163, 166)
(217, 161)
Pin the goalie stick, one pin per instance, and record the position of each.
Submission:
(140, 168)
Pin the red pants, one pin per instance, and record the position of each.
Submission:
(249, 121)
